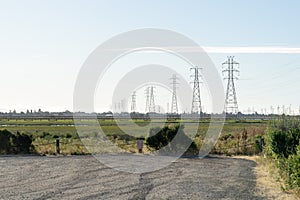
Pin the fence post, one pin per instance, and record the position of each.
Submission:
(57, 146)
(262, 146)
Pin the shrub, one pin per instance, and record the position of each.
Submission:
(55, 136)
(22, 143)
(160, 139)
(19, 143)
(45, 135)
(226, 137)
(292, 170)
(282, 144)
(5, 143)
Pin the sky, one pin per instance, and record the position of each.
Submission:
(44, 43)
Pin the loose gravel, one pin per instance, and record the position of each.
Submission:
(84, 177)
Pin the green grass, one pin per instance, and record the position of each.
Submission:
(43, 132)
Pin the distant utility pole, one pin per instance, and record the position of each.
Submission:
(151, 103)
(167, 107)
(272, 110)
(231, 68)
(174, 107)
(119, 107)
(249, 110)
(133, 102)
(147, 109)
(196, 103)
(116, 107)
(123, 109)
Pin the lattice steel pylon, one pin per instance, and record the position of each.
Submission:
(133, 102)
(196, 103)
(174, 106)
(152, 102)
(147, 91)
(231, 68)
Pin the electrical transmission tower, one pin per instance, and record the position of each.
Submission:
(123, 109)
(147, 99)
(196, 103)
(150, 104)
(174, 107)
(272, 110)
(231, 68)
(133, 102)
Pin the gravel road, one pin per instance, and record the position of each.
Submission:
(83, 177)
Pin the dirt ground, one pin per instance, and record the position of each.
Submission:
(84, 177)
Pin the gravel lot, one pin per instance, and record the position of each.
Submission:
(83, 177)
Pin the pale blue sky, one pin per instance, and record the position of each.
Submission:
(44, 43)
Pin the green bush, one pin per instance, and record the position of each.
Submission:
(291, 168)
(160, 139)
(5, 141)
(282, 144)
(11, 143)
(45, 135)
(22, 143)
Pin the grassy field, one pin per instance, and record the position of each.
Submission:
(45, 132)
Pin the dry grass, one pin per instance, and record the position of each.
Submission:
(86, 146)
(268, 182)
